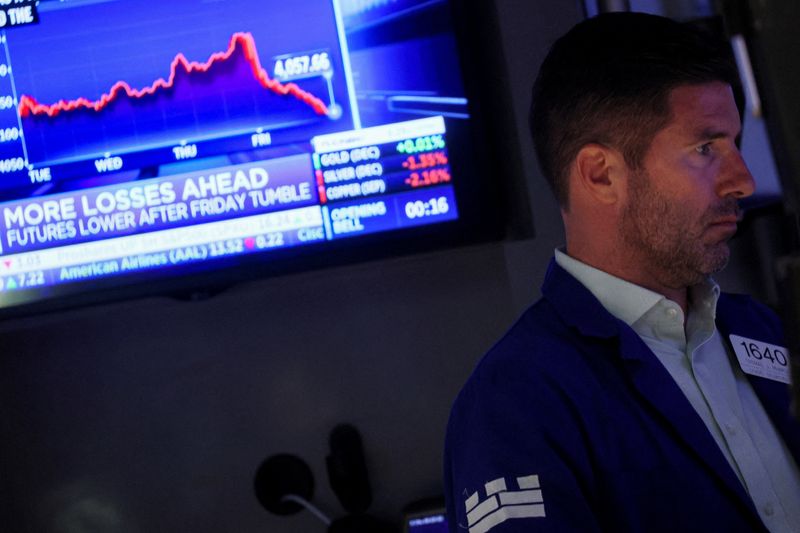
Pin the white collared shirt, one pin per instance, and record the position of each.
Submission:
(695, 355)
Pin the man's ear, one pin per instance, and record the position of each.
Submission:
(600, 172)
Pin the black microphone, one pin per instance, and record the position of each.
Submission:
(347, 470)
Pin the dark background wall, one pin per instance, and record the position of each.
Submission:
(153, 415)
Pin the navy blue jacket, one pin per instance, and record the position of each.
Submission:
(575, 425)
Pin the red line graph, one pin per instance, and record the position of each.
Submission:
(29, 106)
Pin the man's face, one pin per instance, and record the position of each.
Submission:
(682, 205)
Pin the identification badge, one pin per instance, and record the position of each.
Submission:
(759, 358)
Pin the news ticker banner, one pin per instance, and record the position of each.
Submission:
(156, 204)
(210, 214)
(347, 166)
(217, 240)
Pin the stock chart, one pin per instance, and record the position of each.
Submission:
(180, 80)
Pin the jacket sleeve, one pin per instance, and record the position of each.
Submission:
(516, 458)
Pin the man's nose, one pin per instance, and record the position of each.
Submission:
(735, 177)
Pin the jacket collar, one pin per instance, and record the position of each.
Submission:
(576, 306)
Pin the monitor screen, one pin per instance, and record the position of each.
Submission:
(150, 146)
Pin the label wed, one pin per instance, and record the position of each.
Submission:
(759, 358)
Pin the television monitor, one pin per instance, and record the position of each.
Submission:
(181, 146)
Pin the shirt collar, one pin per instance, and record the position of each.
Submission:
(627, 301)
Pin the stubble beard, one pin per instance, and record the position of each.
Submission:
(668, 239)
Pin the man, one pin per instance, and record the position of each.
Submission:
(633, 396)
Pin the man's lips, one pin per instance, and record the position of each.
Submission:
(724, 217)
(724, 224)
(724, 221)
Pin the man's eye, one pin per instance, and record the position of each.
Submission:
(704, 149)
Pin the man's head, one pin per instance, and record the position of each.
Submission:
(636, 125)
(608, 81)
